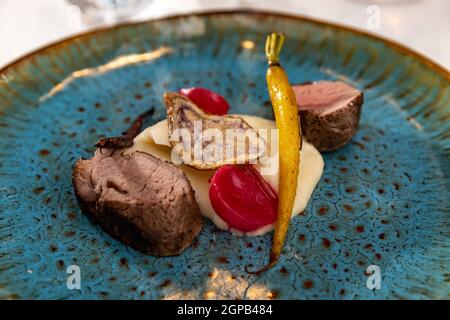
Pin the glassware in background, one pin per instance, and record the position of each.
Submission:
(108, 11)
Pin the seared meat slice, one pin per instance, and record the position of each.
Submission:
(329, 112)
(138, 199)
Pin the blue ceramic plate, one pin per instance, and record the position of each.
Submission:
(383, 199)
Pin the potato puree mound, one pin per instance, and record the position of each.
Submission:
(154, 140)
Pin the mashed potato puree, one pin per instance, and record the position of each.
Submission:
(154, 140)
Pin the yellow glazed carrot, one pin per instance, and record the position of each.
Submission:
(286, 115)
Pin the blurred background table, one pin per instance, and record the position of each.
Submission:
(423, 25)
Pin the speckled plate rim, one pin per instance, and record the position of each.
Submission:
(403, 49)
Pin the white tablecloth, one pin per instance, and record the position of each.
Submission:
(423, 25)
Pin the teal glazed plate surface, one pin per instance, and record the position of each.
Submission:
(383, 199)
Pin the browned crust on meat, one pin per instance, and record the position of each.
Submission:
(325, 139)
